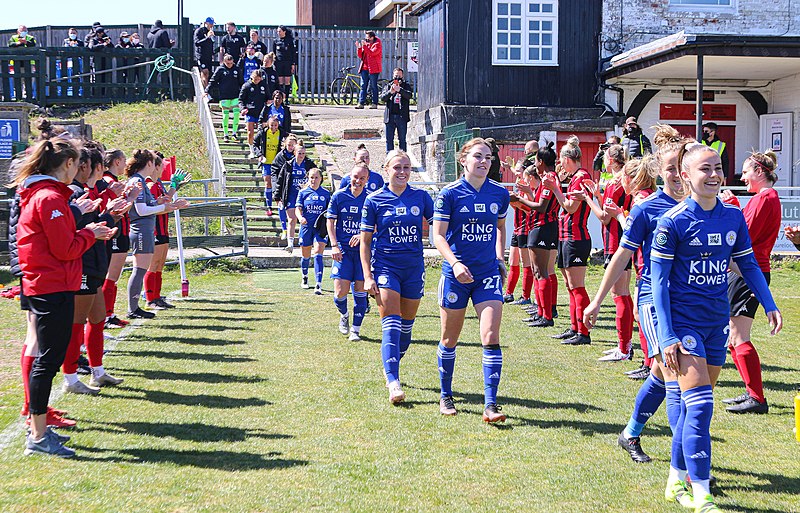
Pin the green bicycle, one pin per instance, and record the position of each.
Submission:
(344, 89)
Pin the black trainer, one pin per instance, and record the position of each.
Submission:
(83, 366)
(749, 405)
(568, 333)
(532, 318)
(141, 314)
(555, 312)
(162, 301)
(542, 323)
(634, 447)
(642, 372)
(738, 399)
(578, 340)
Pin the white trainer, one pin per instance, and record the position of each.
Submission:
(615, 356)
(396, 394)
(79, 387)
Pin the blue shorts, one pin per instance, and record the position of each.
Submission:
(648, 325)
(349, 268)
(708, 343)
(266, 169)
(456, 295)
(251, 119)
(408, 280)
(292, 201)
(308, 235)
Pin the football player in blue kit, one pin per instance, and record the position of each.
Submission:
(312, 202)
(375, 180)
(392, 260)
(469, 231)
(344, 219)
(691, 250)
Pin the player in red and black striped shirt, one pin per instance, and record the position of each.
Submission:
(519, 244)
(114, 162)
(574, 241)
(614, 205)
(152, 278)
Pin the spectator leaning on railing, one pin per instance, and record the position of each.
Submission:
(72, 40)
(22, 39)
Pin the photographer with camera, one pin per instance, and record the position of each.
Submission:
(396, 95)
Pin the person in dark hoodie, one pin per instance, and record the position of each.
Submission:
(204, 48)
(252, 98)
(50, 248)
(101, 43)
(159, 37)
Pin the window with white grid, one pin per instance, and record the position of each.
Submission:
(525, 32)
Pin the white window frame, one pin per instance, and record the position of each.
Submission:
(690, 6)
(525, 18)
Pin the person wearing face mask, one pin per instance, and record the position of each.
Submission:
(231, 43)
(136, 41)
(636, 144)
(72, 41)
(710, 138)
(22, 39)
(101, 43)
(396, 95)
(250, 62)
(71, 67)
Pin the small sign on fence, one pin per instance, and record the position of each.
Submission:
(413, 57)
(9, 133)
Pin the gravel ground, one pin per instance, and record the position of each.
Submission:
(332, 121)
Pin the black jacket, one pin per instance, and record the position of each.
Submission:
(285, 49)
(228, 81)
(636, 144)
(158, 37)
(282, 182)
(286, 126)
(95, 260)
(203, 45)
(388, 97)
(253, 97)
(260, 142)
(233, 45)
(98, 43)
(13, 221)
(270, 77)
(260, 47)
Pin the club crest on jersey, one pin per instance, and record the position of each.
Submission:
(730, 238)
(452, 297)
(464, 209)
(493, 208)
(354, 209)
(480, 207)
(400, 211)
(383, 279)
(415, 210)
(689, 342)
(439, 203)
(371, 186)
(661, 238)
(715, 239)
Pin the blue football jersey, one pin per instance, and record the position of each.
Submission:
(374, 182)
(313, 203)
(699, 244)
(278, 113)
(346, 209)
(299, 175)
(472, 218)
(639, 228)
(396, 220)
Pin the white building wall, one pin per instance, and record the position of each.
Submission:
(630, 23)
(785, 97)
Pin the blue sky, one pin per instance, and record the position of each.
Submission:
(85, 12)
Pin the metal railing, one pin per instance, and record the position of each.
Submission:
(209, 132)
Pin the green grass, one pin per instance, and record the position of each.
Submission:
(245, 398)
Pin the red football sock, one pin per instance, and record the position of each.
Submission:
(546, 304)
(582, 301)
(527, 282)
(624, 321)
(26, 364)
(70, 365)
(110, 295)
(629, 320)
(553, 289)
(149, 285)
(158, 285)
(643, 344)
(513, 276)
(537, 292)
(750, 370)
(573, 305)
(93, 340)
(735, 358)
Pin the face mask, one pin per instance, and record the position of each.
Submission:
(125, 39)
(23, 34)
(135, 40)
(73, 36)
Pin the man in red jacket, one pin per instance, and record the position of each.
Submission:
(370, 52)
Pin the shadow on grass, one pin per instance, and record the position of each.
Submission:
(205, 400)
(776, 368)
(194, 341)
(193, 431)
(169, 355)
(768, 385)
(767, 483)
(218, 460)
(425, 342)
(193, 377)
(226, 301)
(227, 317)
(517, 401)
(225, 310)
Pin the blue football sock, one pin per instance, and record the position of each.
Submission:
(673, 404)
(699, 405)
(650, 396)
(304, 266)
(359, 309)
(406, 325)
(268, 197)
(447, 363)
(677, 460)
(390, 347)
(319, 267)
(282, 216)
(341, 304)
(492, 367)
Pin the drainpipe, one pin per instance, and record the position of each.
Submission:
(602, 86)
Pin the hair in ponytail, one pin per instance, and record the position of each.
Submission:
(642, 172)
(547, 155)
(46, 158)
(572, 149)
(767, 162)
(138, 161)
(616, 154)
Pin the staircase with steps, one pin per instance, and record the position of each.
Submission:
(244, 179)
